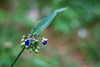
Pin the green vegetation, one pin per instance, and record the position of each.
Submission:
(73, 36)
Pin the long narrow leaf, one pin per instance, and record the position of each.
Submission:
(45, 22)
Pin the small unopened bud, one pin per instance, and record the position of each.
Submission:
(45, 39)
(22, 44)
(22, 40)
(23, 36)
(33, 47)
(38, 47)
(33, 42)
(34, 34)
(36, 51)
(26, 47)
(36, 40)
(30, 50)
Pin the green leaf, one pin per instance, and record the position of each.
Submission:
(33, 31)
(45, 22)
(37, 35)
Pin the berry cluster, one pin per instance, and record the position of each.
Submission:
(31, 42)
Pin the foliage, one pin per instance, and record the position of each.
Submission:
(63, 34)
(45, 22)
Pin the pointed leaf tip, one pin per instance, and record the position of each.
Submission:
(61, 9)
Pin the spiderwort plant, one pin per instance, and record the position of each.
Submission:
(31, 40)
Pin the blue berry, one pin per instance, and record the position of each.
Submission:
(27, 42)
(44, 42)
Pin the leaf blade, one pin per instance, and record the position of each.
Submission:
(33, 31)
(45, 22)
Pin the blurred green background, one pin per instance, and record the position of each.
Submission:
(73, 36)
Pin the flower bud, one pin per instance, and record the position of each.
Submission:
(36, 40)
(22, 40)
(30, 50)
(23, 36)
(34, 34)
(38, 47)
(33, 42)
(36, 51)
(45, 39)
(33, 47)
(22, 44)
(26, 47)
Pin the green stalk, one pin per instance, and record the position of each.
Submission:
(17, 57)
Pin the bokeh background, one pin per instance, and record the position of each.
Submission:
(73, 36)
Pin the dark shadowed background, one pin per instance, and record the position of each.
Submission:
(73, 36)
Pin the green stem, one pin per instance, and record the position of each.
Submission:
(17, 57)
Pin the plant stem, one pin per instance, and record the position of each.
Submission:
(17, 57)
